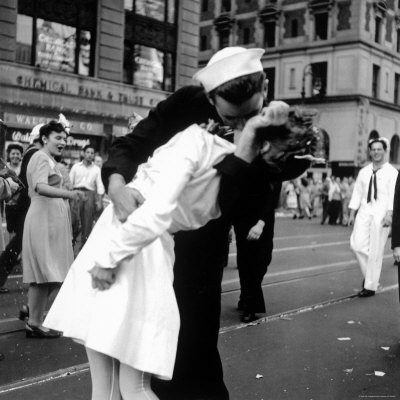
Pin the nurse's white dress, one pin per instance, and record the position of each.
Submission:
(137, 321)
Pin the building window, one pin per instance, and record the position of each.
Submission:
(24, 39)
(292, 79)
(294, 28)
(203, 43)
(378, 28)
(226, 6)
(204, 6)
(319, 78)
(396, 99)
(223, 38)
(394, 149)
(270, 73)
(150, 44)
(269, 34)
(321, 26)
(398, 40)
(148, 67)
(375, 80)
(246, 35)
(54, 41)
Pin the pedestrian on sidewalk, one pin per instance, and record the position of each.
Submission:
(291, 198)
(9, 258)
(131, 263)
(8, 187)
(47, 241)
(373, 200)
(335, 201)
(326, 183)
(304, 198)
(86, 177)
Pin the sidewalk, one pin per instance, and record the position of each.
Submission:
(298, 356)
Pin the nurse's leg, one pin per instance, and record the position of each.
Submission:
(104, 371)
(135, 384)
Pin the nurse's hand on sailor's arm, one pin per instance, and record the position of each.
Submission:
(396, 254)
(124, 199)
(102, 278)
(387, 219)
(256, 230)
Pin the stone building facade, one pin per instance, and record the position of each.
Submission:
(96, 61)
(341, 57)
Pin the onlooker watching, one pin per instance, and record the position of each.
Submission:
(9, 258)
(335, 201)
(14, 158)
(86, 176)
(304, 199)
(326, 183)
(47, 243)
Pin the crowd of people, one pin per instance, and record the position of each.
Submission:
(327, 198)
(142, 292)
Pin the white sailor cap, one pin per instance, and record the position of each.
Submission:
(34, 135)
(227, 64)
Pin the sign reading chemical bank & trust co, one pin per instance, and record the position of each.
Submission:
(83, 87)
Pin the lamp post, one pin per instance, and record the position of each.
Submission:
(307, 70)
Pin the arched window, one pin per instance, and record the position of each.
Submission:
(394, 149)
(373, 135)
(322, 150)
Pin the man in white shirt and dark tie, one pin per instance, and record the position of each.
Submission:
(373, 199)
(86, 176)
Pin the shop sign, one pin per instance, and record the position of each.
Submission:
(22, 136)
(53, 82)
(29, 121)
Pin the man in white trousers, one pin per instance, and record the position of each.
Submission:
(373, 198)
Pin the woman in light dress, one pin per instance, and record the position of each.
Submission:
(47, 241)
(130, 330)
(291, 198)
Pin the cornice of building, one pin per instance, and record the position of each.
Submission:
(358, 98)
(330, 46)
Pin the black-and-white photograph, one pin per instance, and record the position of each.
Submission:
(199, 199)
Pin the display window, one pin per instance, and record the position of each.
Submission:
(150, 43)
(54, 41)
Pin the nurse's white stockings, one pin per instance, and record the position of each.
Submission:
(112, 380)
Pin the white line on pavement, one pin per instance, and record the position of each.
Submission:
(307, 246)
(305, 269)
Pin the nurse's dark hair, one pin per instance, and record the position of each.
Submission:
(241, 89)
(297, 135)
(52, 126)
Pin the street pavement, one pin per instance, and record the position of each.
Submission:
(318, 340)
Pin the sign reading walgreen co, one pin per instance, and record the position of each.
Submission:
(83, 87)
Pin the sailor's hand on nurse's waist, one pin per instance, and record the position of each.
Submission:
(256, 231)
(102, 278)
(125, 201)
(396, 254)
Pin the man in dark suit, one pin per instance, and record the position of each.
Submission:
(234, 89)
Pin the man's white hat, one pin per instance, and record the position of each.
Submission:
(227, 64)
(34, 135)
